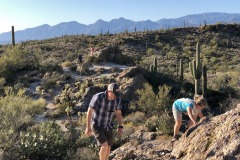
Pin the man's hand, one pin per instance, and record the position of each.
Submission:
(120, 131)
(88, 131)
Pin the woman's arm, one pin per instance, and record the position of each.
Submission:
(189, 110)
(200, 115)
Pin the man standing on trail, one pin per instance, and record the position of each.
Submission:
(99, 118)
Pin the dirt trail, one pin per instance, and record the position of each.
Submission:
(61, 121)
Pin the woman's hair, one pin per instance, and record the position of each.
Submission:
(200, 100)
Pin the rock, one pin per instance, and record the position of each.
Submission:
(143, 145)
(89, 92)
(130, 72)
(131, 85)
(215, 138)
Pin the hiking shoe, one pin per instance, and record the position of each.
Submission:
(175, 138)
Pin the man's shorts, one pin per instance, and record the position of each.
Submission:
(102, 135)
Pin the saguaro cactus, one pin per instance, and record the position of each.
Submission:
(181, 72)
(153, 73)
(13, 36)
(204, 80)
(196, 70)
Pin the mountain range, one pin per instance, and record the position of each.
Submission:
(119, 25)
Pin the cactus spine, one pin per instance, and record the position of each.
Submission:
(13, 36)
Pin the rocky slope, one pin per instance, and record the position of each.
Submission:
(215, 138)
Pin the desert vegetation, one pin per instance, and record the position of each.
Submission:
(162, 57)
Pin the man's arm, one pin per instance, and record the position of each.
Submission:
(89, 117)
(119, 119)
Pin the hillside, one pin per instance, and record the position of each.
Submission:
(42, 80)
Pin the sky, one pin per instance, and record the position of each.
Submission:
(23, 14)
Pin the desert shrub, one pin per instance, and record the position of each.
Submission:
(51, 79)
(164, 123)
(151, 103)
(16, 112)
(157, 106)
(49, 65)
(92, 59)
(228, 104)
(151, 123)
(15, 60)
(67, 64)
(150, 51)
(84, 153)
(136, 118)
(43, 141)
(226, 82)
(2, 83)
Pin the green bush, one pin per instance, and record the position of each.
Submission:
(50, 80)
(2, 83)
(15, 60)
(49, 65)
(154, 104)
(16, 112)
(158, 107)
(136, 118)
(44, 141)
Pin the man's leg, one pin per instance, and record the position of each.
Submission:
(104, 151)
(109, 150)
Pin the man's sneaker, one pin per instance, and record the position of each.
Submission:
(175, 138)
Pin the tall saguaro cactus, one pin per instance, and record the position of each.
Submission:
(153, 74)
(181, 72)
(13, 36)
(204, 80)
(196, 70)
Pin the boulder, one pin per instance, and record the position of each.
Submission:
(215, 138)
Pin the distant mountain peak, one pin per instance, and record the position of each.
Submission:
(116, 26)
